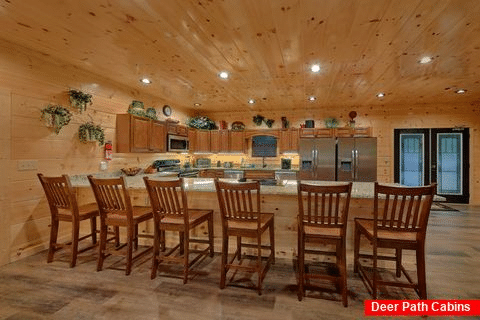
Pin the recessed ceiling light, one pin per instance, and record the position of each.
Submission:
(196, 105)
(251, 101)
(380, 95)
(223, 75)
(425, 60)
(315, 68)
(145, 81)
(460, 91)
(312, 98)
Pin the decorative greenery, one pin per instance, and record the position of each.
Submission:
(269, 122)
(91, 132)
(238, 126)
(258, 119)
(137, 108)
(151, 113)
(331, 122)
(79, 100)
(56, 116)
(201, 122)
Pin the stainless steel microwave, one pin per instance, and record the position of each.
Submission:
(177, 143)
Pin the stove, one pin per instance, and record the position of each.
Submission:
(173, 165)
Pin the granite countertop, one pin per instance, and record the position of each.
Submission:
(285, 187)
(259, 168)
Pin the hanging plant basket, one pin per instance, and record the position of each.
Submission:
(89, 132)
(79, 100)
(56, 117)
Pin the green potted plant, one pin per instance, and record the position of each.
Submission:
(88, 132)
(79, 100)
(201, 122)
(55, 116)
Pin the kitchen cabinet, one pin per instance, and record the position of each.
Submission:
(316, 132)
(288, 141)
(259, 174)
(211, 173)
(174, 128)
(219, 141)
(202, 141)
(237, 142)
(138, 134)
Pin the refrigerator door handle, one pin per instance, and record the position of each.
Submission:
(356, 165)
(353, 165)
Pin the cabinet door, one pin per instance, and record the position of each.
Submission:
(139, 130)
(294, 140)
(237, 141)
(288, 141)
(192, 140)
(284, 141)
(224, 136)
(182, 130)
(259, 174)
(202, 141)
(215, 141)
(158, 137)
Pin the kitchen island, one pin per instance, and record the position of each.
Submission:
(280, 199)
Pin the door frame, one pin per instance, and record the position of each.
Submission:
(465, 196)
(430, 163)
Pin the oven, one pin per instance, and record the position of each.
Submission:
(177, 143)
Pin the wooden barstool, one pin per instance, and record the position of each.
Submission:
(242, 217)
(64, 207)
(322, 221)
(400, 218)
(171, 213)
(116, 210)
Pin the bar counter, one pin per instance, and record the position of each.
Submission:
(280, 199)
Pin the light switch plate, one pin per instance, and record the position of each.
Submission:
(24, 165)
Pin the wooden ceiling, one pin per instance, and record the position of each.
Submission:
(363, 48)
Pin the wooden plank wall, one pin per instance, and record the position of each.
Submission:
(383, 120)
(30, 81)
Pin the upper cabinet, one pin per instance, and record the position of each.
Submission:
(137, 134)
(237, 142)
(201, 141)
(176, 129)
(288, 140)
(217, 141)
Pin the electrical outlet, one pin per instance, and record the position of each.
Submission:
(24, 165)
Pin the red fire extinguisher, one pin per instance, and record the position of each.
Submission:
(108, 150)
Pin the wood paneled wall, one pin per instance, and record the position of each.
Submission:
(30, 81)
(383, 120)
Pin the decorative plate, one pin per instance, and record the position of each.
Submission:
(167, 110)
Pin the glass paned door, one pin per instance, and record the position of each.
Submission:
(423, 156)
(412, 158)
(449, 163)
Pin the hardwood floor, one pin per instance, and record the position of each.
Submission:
(33, 289)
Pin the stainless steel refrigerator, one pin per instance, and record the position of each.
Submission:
(357, 159)
(317, 159)
(340, 159)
